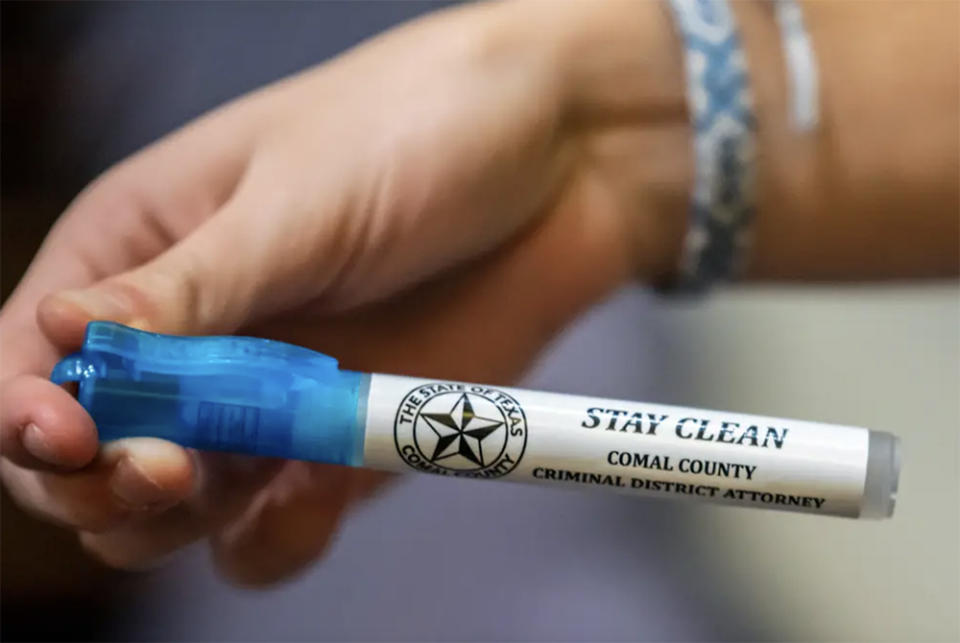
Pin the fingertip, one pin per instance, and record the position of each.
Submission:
(43, 426)
(149, 473)
(288, 525)
(62, 320)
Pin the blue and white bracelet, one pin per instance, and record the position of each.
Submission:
(724, 199)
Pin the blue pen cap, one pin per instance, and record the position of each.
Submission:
(240, 394)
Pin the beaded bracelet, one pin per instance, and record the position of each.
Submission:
(721, 109)
(724, 199)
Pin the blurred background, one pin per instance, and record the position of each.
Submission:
(83, 85)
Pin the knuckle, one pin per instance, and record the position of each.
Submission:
(93, 517)
(248, 572)
(271, 555)
(169, 292)
(107, 201)
(104, 550)
(62, 502)
(29, 492)
(23, 490)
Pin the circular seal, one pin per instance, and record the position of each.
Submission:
(460, 429)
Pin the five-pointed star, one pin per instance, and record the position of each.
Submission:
(460, 432)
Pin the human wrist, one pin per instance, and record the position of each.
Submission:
(615, 71)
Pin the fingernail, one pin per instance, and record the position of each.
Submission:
(37, 444)
(136, 490)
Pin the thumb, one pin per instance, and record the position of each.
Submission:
(207, 283)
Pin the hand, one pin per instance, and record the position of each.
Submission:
(439, 201)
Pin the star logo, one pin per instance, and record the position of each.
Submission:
(460, 429)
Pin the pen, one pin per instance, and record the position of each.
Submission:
(263, 397)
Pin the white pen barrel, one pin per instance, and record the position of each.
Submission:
(655, 450)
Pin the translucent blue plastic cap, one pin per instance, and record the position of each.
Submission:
(240, 394)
